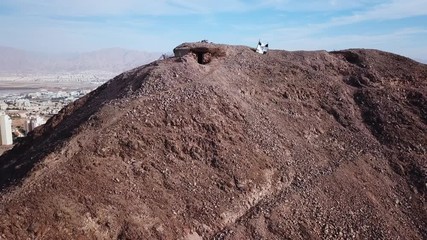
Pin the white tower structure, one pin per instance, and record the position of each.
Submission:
(34, 122)
(6, 130)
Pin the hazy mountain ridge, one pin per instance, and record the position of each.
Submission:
(14, 60)
(421, 60)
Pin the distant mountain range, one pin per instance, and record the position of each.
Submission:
(14, 60)
(421, 60)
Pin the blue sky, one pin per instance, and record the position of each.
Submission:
(398, 26)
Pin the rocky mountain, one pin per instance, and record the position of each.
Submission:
(112, 60)
(221, 142)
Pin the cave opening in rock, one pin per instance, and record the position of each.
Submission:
(200, 57)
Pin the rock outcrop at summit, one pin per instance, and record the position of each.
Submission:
(221, 142)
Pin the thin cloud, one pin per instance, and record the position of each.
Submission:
(396, 9)
(122, 7)
(398, 41)
(377, 9)
(317, 5)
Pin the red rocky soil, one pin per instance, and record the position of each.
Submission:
(286, 145)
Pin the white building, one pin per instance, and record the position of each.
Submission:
(6, 130)
(22, 102)
(3, 105)
(34, 122)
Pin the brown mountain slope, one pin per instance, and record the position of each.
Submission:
(287, 145)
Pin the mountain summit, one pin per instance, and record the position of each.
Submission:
(221, 142)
